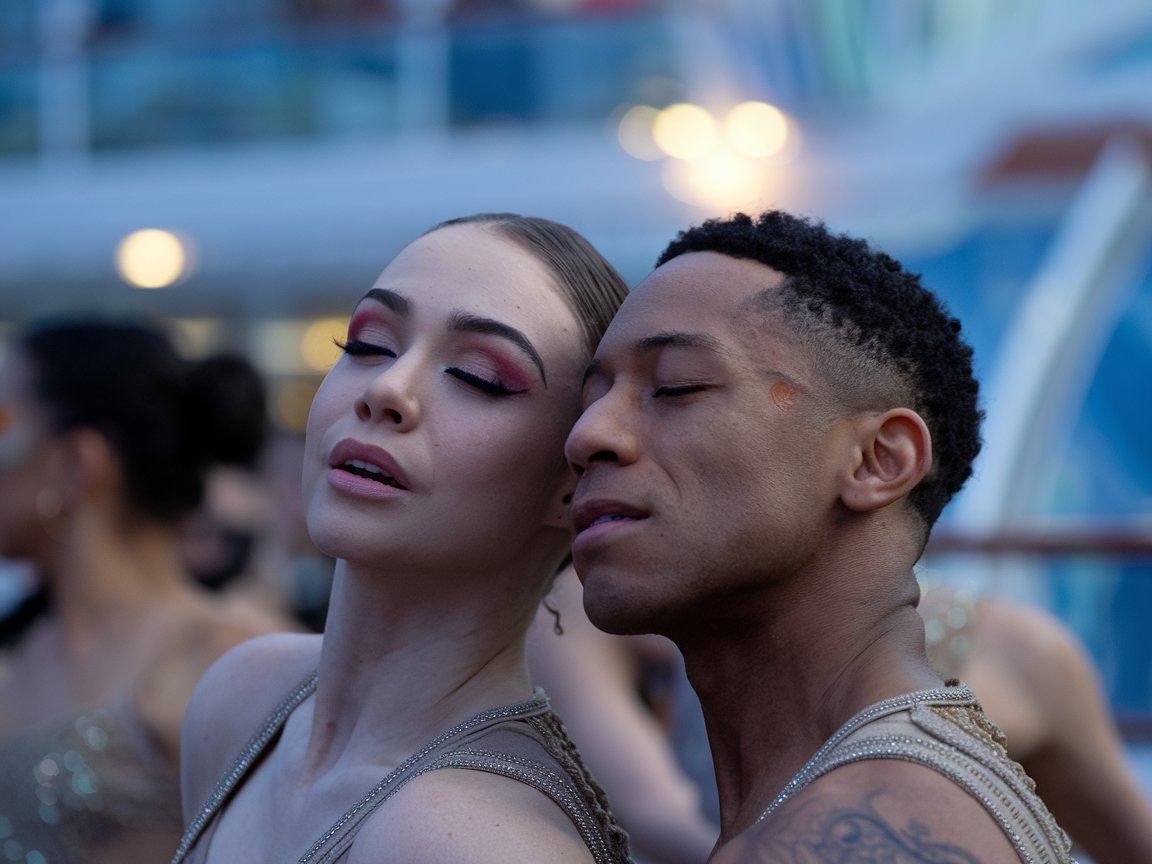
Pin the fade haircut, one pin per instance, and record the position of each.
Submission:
(880, 338)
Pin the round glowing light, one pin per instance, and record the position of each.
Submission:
(756, 129)
(722, 181)
(152, 258)
(291, 402)
(635, 133)
(685, 131)
(318, 344)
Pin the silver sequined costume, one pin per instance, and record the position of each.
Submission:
(87, 788)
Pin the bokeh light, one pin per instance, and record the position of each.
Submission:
(291, 402)
(756, 129)
(685, 131)
(724, 180)
(153, 258)
(317, 346)
(635, 133)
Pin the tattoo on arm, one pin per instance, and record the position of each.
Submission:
(856, 835)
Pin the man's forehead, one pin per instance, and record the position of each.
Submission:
(694, 291)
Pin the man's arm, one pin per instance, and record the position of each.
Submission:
(877, 810)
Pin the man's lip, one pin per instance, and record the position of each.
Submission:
(585, 514)
(350, 449)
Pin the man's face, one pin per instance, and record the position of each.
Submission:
(707, 451)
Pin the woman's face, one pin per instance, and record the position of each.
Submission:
(437, 439)
(28, 476)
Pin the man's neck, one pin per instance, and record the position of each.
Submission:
(772, 693)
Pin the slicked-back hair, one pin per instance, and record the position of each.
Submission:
(880, 338)
(590, 284)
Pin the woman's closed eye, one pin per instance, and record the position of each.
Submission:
(490, 386)
(361, 348)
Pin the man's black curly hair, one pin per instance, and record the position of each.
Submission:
(896, 342)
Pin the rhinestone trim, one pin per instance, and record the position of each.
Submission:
(959, 744)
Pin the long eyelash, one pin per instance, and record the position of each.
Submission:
(492, 388)
(358, 348)
(682, 390)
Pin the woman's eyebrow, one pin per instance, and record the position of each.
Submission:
(398, 303)
(462, 322)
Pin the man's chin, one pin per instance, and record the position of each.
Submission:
(614, 609)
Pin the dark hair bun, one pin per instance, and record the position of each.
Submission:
(167, 418)
(228, 407)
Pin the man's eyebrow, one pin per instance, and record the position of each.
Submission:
(462, 322)
(396, 302)
(659, 341)
(678, 339)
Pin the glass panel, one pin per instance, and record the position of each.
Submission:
(1104, 477)
(17, 77)
(158, 94)
(17, 110)
(563, 70)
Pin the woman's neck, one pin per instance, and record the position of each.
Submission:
(403, 659)
(101, 581)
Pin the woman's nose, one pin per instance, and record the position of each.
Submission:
(392, 394)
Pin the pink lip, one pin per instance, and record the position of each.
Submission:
(374, 461)
(602, 514)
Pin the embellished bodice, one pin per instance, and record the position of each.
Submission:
(523, 741)
(946, 730)
(87, 787)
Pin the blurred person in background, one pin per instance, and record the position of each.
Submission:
(247, 538)
(1032, 675)
(107, 435)
(1037, 683)
(610, 690)
(434, 475)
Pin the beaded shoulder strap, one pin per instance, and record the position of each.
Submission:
(336, 840)
(952, 695)
(242, 765)
(551, 773)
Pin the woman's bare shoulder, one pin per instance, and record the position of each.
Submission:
(237, 694)
(452, 815)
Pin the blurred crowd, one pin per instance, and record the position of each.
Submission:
(151, 518)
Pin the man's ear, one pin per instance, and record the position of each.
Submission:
(893, 453)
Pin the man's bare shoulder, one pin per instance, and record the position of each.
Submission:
(233, 699)
(878, 810)
(458, 816)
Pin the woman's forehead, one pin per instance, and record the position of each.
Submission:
(469, 270)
